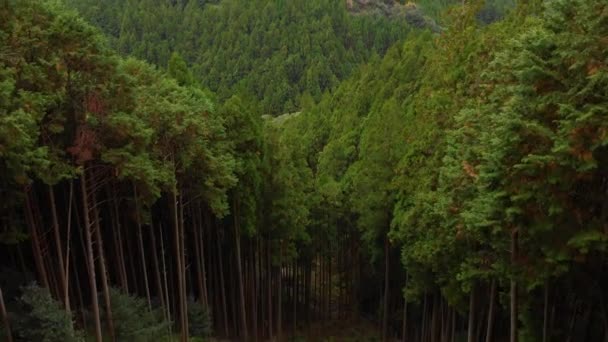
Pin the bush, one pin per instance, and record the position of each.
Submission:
(199, 320)
(132, 319)
(36, 316)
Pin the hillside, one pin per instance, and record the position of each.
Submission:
(277, 54)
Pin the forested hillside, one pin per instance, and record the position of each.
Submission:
(445, 185)
(280, 53)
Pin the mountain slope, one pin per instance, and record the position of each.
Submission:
(273, 52)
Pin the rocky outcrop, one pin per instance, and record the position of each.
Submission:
(392, 8)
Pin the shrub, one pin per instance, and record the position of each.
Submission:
(133, 321)
(36, 316)
(199, 320)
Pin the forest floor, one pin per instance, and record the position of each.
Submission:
(345, 330)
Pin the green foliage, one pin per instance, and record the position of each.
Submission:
(287, 186)
(273, 51)
(133, 320)
(36, 316)
(179, 70)
(446, 144)
(200, 323)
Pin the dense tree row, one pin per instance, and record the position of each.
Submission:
(478, 155)
(121, 176)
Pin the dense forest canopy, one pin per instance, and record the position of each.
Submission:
(277, 52)
(304, 170)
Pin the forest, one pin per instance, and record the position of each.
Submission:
(304, 170)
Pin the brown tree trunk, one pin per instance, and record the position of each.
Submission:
(491, 311)
(386, 294)
(256, 275)
(269, 294)
(36, 248)
(322, 292)
(182, 272)
(295, 296)
(117, 231)
(239, 269)
(166, 285)
(142, 252)
(79, 292)
(199, 267)
(7, 325)
(59, 250)
(513, 290)
(546, 312)
(90, 257)
(453, 333)
(424, 324)
(102, 270)
(220, 265)
(233, 294)
(280, 297)
(67, 250)
(330, 286)
(471, 328)
(199, 263)
(159, 284)
(178, 259)
(203, 267)
(404, 327)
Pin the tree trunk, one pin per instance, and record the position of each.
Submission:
(471, 328)
(491, 311)
(182, 272)
(136, 286)
(7, 326)
(404, 327)
(233, 294)
(386, 288)
(90, 257)
(256, 276)
(513, 290)
(199, 266)
(269, 294)
(102, 270)
(67, 251)
(329, 285)
(222, 283)
(434, 319)
(239, 269)
(445, 337)
(295, 296)
(178, 261)
(79, 292)
(546, 312)
(59, 250)
(122, 268)
(280, 294)
(322, 292)
(159, 284)
(142, 252)
(203, 266)
(423, 327)
(38, 259)
(166, 285)
(453, 333)
(199, 259)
